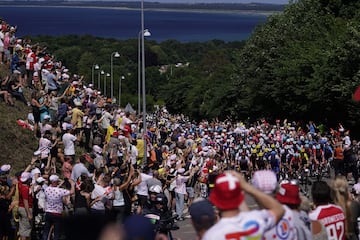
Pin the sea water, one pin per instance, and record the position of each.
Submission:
(183, 26)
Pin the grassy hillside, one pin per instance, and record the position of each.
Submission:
(17, 144)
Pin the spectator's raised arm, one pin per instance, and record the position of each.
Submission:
(261, 198)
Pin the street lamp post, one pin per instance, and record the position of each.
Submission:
(94, 67)
(105, 75)
(120, 80)
(99, 82)
(146, 34)
(143, 83)
(114, 54)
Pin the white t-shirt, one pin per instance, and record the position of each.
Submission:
(78, 170)
(69, 144)
(284, 229)
(99, 191)
(118, 198)
(180, 184)
(246, 225)
(142, 188)
(89, 91)
(44, 147)
(133, 154)
(105, 122)
(44, 128)
(124, 121)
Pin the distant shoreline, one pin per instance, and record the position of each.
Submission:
(196, 9)
(122, 21)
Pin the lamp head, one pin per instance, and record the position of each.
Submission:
(147, 33)
(117, 54)
(96, 66)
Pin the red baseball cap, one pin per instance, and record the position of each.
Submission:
(288, 193)
(227, 193)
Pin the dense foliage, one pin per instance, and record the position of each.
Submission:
(302, 64)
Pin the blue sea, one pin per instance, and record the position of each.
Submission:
(183, 26)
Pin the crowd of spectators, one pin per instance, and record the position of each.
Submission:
(91, 161)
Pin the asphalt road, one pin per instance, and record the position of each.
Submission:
(187, 232)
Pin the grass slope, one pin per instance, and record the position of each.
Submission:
(17, 144)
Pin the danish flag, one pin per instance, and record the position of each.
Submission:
(230, 179)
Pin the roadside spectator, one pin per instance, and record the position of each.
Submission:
(100, 196)
(132, 152)
(54, 206)
(46, 125)
(43, 100)
(45, 146)
(104, 121)
(83, 196)
(17, 64)
(202, 215)
(154, 180)
(25, 206)
(227, 196)
(67, 167)
(77, 119)
(342, 199)
(15, 88)
(142, 188)
(266, 181)
(288, 194)
(36, 105)
(51, 81)
(7, 55)
(110, 130)
(54, 102)
(339, 165)
(79, 169)
(5, 214)
(355, 207)
(118, 211)
(69, 140)
(31, 59)
(88, 126)
(6, 95)
(191, 182)
(330, 215)
(180, 192)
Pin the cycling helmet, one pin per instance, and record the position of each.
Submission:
(155, 189)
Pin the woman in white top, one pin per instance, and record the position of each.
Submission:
(118, 200)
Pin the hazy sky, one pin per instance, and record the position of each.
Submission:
(222, 1)
(211, 1)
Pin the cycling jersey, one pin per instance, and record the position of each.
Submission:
(333, 218)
